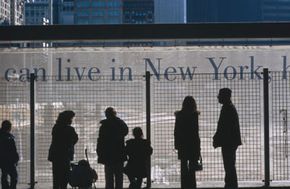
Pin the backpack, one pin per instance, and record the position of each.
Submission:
(82, 175)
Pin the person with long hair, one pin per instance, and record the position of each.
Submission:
(187, 141)
(61, 150)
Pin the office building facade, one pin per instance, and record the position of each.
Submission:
(169, 11)
(11, 12)
(98, 12)
(138, 11)
(38, 12)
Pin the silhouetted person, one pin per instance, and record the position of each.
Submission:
(111, 148)
(187, 141)
(228, 137)
(8, 156)
(138, 150)
(61, 150)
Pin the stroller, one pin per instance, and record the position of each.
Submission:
(82, 176)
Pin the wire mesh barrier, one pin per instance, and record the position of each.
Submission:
(280, 137)
(89, 97)
(168, 94)
(14, 106)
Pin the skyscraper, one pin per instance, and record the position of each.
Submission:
(138, 11)
(37, 12)
(170, 11)
(11, 12)
(98, 12)
(223, 11)
(65, 13)
(276, 10)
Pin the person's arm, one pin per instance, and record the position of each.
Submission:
(176, 133)
(218, 134)
(13, 150)
(197, 133)
(75, 137)
(125, 128)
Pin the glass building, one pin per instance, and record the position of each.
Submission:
(98, 12)
(138, 11)
(37, 12)
(170, 11)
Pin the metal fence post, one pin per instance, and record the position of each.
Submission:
(266, 127)
(148, 124)
(32, 130)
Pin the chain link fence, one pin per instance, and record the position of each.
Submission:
(279, 136)
(89, 97)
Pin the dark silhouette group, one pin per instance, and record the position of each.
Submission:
(113, 151)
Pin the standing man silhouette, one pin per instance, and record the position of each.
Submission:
(228, 137)
(8, 156)
(111, 148)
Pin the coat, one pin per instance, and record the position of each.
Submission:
(228, 129)
(110, 146)
(186, 136)
(64, 138)
(138, 151)
(8, 151)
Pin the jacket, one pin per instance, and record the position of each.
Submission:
(186, 135)
(8, 151)
(64, 138)
(138, 152)
(228, 129)
(110, 145)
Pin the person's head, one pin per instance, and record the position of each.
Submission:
(6, 126)
(65, 117)
(189, 104)
(137, 132)
(224, 95)
(110, 112)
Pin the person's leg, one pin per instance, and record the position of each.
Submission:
(184, 173)
(118, 170)
(132, 182)
(4, 178)
(55, 175)
(109, 177)
(191, 175)
(229, 158)
(139, 182)
(13, 176)
(66, 170)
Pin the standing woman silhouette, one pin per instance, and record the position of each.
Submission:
(61, 150)
(187, 141)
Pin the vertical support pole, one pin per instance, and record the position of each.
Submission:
(32, 131)
(148, 124)
(266, 127)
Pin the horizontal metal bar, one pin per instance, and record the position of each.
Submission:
(145, 31)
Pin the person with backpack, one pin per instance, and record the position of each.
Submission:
(138, 151)
(8, 156)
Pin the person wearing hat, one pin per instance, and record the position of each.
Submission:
(61, 150)
(8, 156)
(228, 137)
